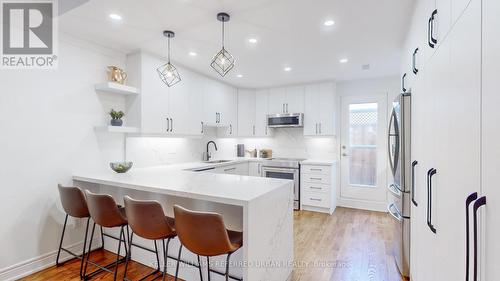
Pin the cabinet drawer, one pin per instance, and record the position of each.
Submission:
(316, 199)
(316, 178)
(324, 170)
(315, 187)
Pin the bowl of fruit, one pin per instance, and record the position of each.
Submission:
(120, 167)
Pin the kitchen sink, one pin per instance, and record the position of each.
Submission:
(217, 161)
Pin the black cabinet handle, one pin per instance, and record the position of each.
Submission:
(479, 202)
(469, 200)
(430, 30)
(433, 18)
(415, 70)
(430, 173)
(413, 164)
(202, 127)
(171, 124)
(403, 83)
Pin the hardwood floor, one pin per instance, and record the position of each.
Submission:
(350, 245)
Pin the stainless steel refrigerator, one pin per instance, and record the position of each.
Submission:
(399, 147)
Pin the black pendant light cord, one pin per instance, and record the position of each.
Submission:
(222, 34)
(168, 48)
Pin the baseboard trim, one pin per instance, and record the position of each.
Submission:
(25, 268)
(363, 205)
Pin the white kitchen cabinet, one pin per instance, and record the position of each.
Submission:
(294, 99)
(489, 217)
(254, 169)
(447, 140)
(234, 169)
(277, 100)
(182, 109)
(261, 112)
(319, 114)
(246, 113)
(317, 188)
(286, 100)
(252, 113)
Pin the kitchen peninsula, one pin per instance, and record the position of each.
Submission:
(260, 207)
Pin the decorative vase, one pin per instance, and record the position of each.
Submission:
(116, 122)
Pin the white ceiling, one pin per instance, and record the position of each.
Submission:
(289, 32)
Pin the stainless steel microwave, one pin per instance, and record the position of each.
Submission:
(285, 120)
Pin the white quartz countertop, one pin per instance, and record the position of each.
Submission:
(176, 180)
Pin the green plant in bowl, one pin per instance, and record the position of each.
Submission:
(120, 167)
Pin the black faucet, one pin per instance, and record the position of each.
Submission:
(208, 153)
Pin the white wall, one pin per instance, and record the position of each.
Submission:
(46, 123)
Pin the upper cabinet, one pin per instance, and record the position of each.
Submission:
(319, 113)
(183, 109)
(286, 100)
(252, 113)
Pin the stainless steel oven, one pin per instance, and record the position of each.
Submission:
(289, 169)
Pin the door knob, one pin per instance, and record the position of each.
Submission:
(345, 154)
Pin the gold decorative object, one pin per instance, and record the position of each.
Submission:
(116, 74)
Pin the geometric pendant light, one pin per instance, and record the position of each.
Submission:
(223, 61)
(168, 73)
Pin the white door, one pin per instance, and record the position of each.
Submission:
(261, 111)
(364, 149)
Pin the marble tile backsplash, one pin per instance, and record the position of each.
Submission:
(286, 142)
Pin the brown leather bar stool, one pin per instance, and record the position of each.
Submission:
(204, 234)
(106, 213)
(75, 205)
(147, 220)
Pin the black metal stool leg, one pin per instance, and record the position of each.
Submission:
(102, 238)
(199, 268)
(88, 252)
(62, 237)
(129, 256)
(227, 266)
(165, 257)
(84, 246)
(178, 262)
(122, 234)
(157, 257)
(208, 268)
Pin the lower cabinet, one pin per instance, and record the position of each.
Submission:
(317, 188)
(254, 169)
(235, 169)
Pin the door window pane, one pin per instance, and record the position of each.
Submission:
(363, 128)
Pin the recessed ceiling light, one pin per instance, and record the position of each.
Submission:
(252, 40)
(239, 75)
(343, 60)
(287, 69)
(329, 23)
(193, 54)
(115, 17)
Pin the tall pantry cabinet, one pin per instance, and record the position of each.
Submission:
(455, 143)
(490, 218)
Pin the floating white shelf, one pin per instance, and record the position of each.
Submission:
(117, 129)
(116, 88)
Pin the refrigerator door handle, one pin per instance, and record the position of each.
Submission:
(393, 161)
(469, 200)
